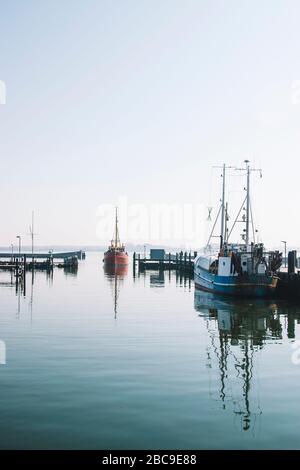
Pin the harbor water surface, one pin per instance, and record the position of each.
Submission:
(96, 360)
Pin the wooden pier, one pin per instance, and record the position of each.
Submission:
(46, 255)
(182, 262)
(40, 261)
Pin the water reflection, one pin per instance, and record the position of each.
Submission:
(31, 294)
(115, 276)
(23, 288)
(21, 291)
(157, 278)
(183, 280)
(162, 277)
(238, 330)
(71, 270)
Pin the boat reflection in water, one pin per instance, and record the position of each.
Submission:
(115, 275)
(237, 331)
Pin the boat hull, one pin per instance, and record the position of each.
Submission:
(114, 258)
(252, 285)
(119, 270)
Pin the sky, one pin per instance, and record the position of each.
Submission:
(132, 102)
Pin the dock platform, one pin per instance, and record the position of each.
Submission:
(40, 261)
(182, 262)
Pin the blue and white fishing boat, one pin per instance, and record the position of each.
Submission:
(238, 269)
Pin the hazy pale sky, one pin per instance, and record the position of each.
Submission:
(137, 99)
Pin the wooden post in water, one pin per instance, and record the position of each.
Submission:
(17, 273)
(134, 264)
(169, 261)
(24, 275)
(185, 257)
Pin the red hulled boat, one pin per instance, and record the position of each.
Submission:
(116, 254)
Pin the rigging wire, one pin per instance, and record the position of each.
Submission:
(213, 228)
(252, 222)
(236, 219)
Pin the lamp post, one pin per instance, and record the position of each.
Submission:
(19, 237)
(12, 253)
(284, 241)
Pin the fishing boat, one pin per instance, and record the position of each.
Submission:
(238, 269)
(116, 254)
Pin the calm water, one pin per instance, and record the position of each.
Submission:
(98, 361)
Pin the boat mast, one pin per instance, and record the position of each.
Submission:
(226, 224)
(246, 218)
(223, 208)
(247, 203)
(116, 229)
(32, 234)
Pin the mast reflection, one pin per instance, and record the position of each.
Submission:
(115, 275)
(237, 331)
